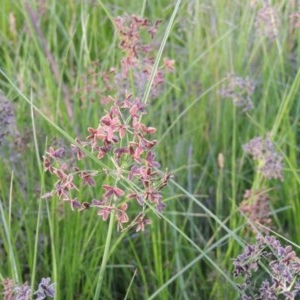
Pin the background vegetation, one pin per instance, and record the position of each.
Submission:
(188, 252)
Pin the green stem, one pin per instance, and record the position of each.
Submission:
(105, 257)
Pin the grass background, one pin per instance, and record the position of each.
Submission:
(188, 253)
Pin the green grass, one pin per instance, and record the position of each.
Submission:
(187, 251)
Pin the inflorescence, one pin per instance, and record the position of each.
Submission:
(120, 140)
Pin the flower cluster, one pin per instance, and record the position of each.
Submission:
(10, 135)
(123, 139)
(267, 22)
(256, 207)
(239, 90)
(279, 269)
(295, 20)
(12, 291)
(45, 289)
(7, 118)
(138, 46)
(120, 141)
(138, 60)
(263, 151)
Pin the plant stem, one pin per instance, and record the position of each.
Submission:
(105, 257)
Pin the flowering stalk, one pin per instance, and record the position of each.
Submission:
(122, 140)
(104, 258)
(239, 90)
(270, 163)
(279, 265)
(256, 207)
(12, 291)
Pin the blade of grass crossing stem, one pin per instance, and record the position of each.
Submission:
(84, 39)
(130, 284)
(211, 261)
(192, 264)
(106, 11)
(160, 51)
(143, 8)
(40, 202)
(207, 211)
